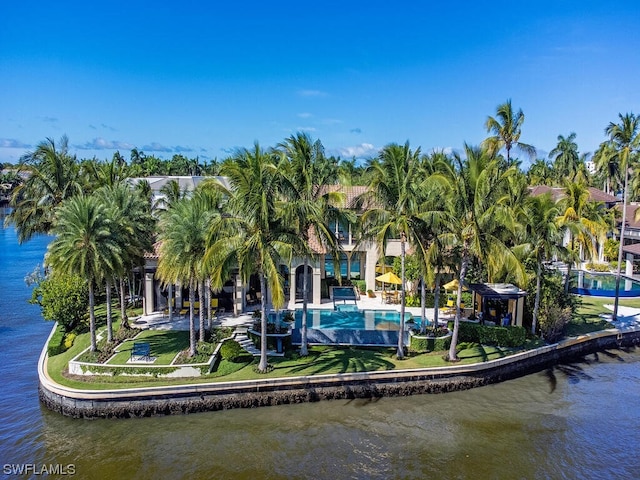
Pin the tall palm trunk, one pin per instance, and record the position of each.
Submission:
(436, 301)
(192, 322)
(92, 317)
(614, 317)
(536, 304)
(201, 309)
(423, 305)
(304, 350)
(109, 313)
(207, 294)
(262, 367)
(464, 265)
(124, 322)
(400, 353)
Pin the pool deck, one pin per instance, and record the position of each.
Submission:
(159, 321)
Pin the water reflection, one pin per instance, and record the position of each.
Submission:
(546, 425)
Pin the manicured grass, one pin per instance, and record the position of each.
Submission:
(321, 360)
(588, 319)
(165, 345)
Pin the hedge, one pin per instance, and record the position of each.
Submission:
(512, 336)
(57, 344)
(429, 344)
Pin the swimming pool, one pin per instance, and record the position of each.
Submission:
(602, 285)
(350, 327)
(353, 320)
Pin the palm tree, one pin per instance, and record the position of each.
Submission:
(171, 193)
(479, 217)
(586, 222)
(625, 141)
(565, 156)
(105, 173)
(543, 237)
(396, 210)
(505, 131)
(541, 173)
(183, 235)
(53, 177)
(136, 226)
(251, 237)
(608, 167)
(308, 205)
(86, 244)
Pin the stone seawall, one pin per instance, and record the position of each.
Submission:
(150, 401)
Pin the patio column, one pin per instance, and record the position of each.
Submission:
(628, 271)
(148, 293)
(370, 269)
(317, 280)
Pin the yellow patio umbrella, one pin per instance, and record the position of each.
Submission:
(389, 277)
(453, 285)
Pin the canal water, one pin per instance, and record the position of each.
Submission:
(575, 421)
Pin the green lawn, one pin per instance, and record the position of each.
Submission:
(165, 345)
(588, 319)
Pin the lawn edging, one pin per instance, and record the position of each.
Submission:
(190, 398)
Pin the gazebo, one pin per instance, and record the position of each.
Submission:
(500, 303)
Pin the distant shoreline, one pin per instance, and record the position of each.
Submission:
(192, 398)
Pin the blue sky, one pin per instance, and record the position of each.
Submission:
(201, 79)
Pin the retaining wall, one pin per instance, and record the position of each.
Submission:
(149, 401)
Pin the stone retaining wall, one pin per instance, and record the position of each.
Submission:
(149, 401)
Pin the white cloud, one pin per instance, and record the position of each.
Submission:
(358, 151)
(102, 144)
(306, 129)
(12, 143)
(157, 147)
(305, 115)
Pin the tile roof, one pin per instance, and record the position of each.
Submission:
(595, 194)
(155, 254)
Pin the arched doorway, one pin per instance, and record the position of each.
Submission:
(300, 280)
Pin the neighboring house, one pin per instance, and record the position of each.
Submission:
(595, 195)
(631, 243)
(357, 262)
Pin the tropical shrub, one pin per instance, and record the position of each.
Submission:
(598, 267)
(552, 292)
(414, 300)
(361, 285)
(231, 351)
(553, 320)
(62, 298)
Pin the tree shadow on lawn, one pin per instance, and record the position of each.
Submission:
(478, 351)
(342, 360)
(162, 342)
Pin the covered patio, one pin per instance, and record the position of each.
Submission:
(498, 303)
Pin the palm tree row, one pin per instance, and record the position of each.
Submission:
(469, 211)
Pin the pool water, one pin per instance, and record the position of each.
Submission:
(344, 293)
(351, 320)
(602, 285)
